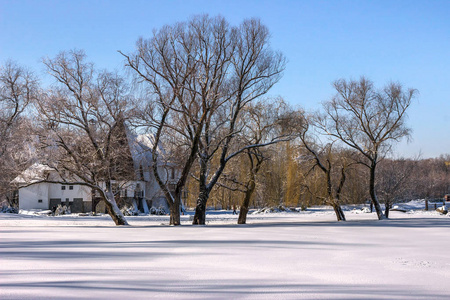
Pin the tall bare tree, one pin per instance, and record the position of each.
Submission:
(183, 69)
(254, 68)
(83, 132)
(326, 158)
(264, 123)
(368, 120)
(18, 88)
(199, 75)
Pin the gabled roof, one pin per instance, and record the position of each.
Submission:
(34, 173)
(141, 147)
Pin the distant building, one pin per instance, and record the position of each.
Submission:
(141, 191)
(45, 195)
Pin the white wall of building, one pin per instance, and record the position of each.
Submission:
(29, 196)
(77, 191)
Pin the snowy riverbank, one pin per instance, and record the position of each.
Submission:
(305, 255)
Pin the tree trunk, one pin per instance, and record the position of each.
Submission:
(200, 209)
(175, 210)
(203, 195)
(246, 202)
(387, 209)
(342, 214)
(339, 212)
(175, 215)
(373, 195)
(112, 208)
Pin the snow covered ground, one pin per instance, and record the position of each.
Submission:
(306, 255)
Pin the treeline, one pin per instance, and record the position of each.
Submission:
(200, 89)
(286, 179)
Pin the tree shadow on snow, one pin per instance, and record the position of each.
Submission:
(221, 288)
(397, 222)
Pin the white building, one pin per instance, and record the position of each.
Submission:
(142, 192)
(43, 195)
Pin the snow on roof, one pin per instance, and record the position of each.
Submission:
(34, 173)
(141, 147)
(146, 140)
(141, 151)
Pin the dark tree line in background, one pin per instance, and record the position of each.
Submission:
(287, 178)
(201, 89)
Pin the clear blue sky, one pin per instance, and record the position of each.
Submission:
(405, 41)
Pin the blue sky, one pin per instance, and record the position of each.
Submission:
(404, 41)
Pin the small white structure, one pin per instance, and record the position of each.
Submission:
(142, 192)
(42, 195)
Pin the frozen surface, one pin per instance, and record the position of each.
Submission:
(305, 255)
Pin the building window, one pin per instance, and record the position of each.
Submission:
(70, 187)
(63, 187)
(40, 201)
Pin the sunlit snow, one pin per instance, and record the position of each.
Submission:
(304, 255)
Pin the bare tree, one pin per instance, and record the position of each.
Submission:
(183, 69)
(327, 159)
(19, 154)
(82, 132)
(368, 120)
(264, 127)
(18, 88)
(264, 123)
(394, 180)
(199, 75)
(254, 68)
